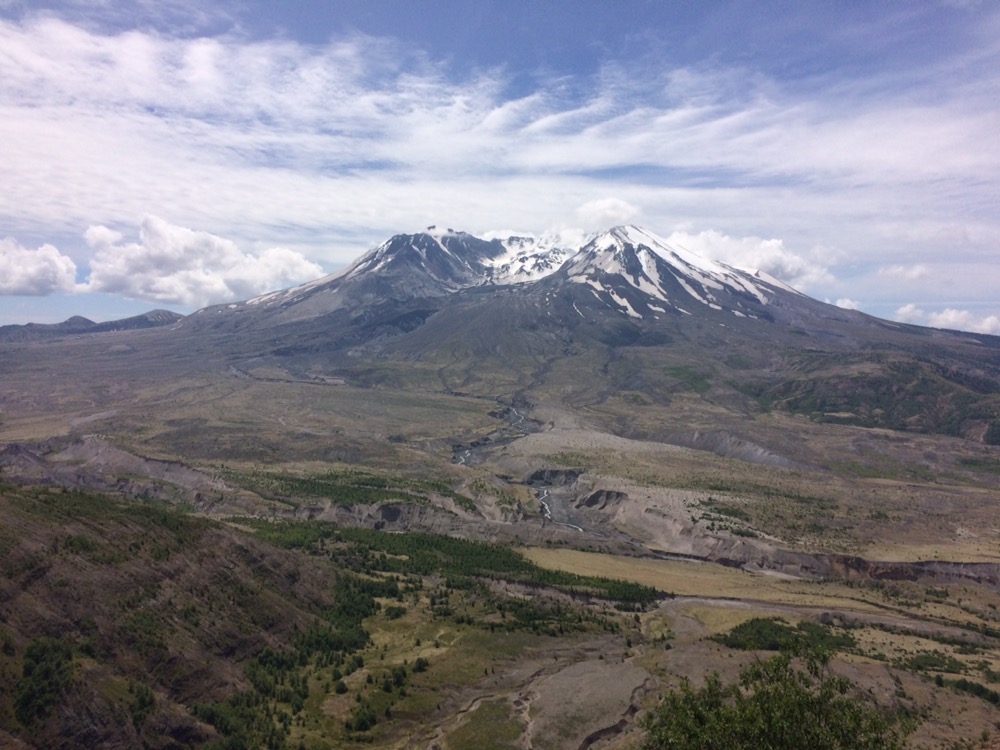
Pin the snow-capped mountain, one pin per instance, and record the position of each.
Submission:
(429, 264)
(625, 312)
(642, 274)
(628, 268)
(528, 259)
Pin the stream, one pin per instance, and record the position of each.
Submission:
(516, 425)
(547, 513)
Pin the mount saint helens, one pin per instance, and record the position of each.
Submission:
(508, 318)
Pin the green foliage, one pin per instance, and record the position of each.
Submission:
(276, 676)
(724, 509)
(178, 527)
(45, 676)
(986, 465)
(936, 662)
(901, 394)
(774, 706)
(412, 553)
(362, 718)
(743, 487)
(142, 703)
(394, 612)
(691, 379)
(974, 688)
(244, 721)
(774, 634)
(78, 544)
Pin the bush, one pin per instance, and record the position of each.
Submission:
(46, 674)
(774, 706)
(362, 719)
(774, 634)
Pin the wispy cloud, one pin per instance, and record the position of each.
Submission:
(905, 273)
(602, 213)
(325, 149)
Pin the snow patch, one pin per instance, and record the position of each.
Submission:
(622, 302)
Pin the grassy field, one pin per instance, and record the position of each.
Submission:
(696, 579)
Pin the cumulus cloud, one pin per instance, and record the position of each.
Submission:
(961, 320)
(905, 273)
(176, 265)
(909, 313)
(604, 213)
(848, 304)
(34, 272)
(770, 256)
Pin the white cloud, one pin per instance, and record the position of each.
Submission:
(848, 304)
(909, 313)
(34, 272)
(175, 265)
(327, 149)
(604, 213)
(905, 273)
(753, 252)
(961, 320)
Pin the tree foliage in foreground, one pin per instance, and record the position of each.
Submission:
(774, 706)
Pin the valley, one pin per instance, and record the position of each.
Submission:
(639, 488)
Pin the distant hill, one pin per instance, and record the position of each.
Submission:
(79, 325)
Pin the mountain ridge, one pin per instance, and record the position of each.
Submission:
(78, 324)
(437, 263)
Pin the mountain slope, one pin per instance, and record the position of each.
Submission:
(644, 275)
(623, 310)
(626, 315)
(430, 264)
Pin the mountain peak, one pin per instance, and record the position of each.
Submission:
(629, 268)
(641, 273)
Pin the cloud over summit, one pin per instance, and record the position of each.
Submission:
(769, 255)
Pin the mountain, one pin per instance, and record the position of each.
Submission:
(621, 312)
(79, 325)
(628, 269)
(642, 275)
(624, 316)
(430, 264)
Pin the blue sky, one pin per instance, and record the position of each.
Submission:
(186, 153)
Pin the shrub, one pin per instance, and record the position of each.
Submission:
(46, 674)
(774, 706)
